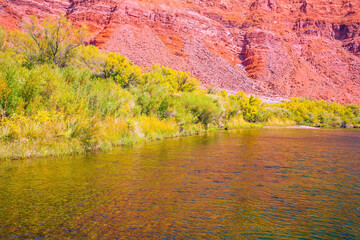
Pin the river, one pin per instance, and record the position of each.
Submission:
(240, 184)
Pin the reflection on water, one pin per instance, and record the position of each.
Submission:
(245, 184)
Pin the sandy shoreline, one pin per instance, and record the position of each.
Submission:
(292, 127)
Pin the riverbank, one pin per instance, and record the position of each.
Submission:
(98, 136)
(81, 99)
(126, 137)
(146, 131)
(292, 127)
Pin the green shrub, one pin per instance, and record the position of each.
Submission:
(89, 59)
(176, 81)
(121, 70)
(202, 108)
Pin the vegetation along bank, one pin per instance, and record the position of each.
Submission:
(58, 96)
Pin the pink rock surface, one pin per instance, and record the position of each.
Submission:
(283, 48)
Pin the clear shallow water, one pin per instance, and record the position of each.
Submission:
(245, 184)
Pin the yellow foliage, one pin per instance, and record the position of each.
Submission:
(274, 121)
(121, 70)
(154, 128)
(239, 122)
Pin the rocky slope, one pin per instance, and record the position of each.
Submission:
(307, 48)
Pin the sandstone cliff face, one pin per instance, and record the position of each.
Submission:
(307, 48)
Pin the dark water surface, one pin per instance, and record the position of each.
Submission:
(245, 184)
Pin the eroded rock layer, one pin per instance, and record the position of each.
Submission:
(306, 48)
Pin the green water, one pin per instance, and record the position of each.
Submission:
(245, 184)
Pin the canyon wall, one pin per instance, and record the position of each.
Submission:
(284, 48)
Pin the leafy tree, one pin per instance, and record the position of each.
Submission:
(49, 41)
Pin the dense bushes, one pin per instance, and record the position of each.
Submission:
(78, 98)
(320, 113)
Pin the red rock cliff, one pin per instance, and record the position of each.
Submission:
(307, 48)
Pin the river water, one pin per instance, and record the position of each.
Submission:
(241, 184)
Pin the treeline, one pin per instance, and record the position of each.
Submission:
(59, 96)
